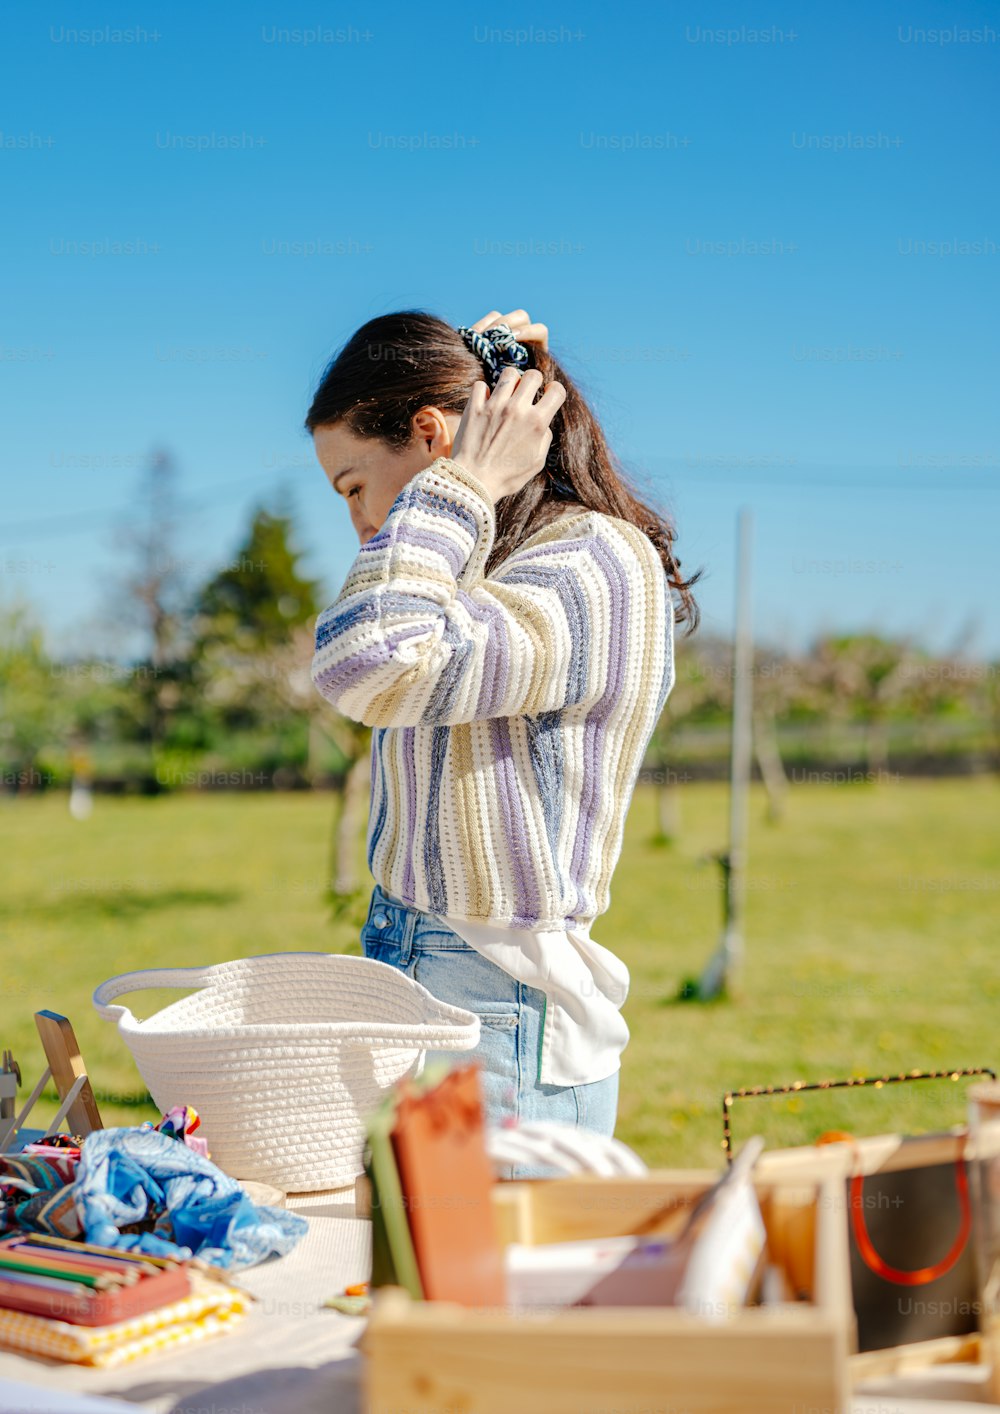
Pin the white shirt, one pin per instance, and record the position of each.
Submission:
(585, 986)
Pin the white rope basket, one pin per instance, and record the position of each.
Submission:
(283, 1056)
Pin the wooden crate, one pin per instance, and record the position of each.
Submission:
(909, 1366)
(431, 1357)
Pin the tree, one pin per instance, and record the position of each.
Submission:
(243, 620)
(28, 703)
(776, 689)
(253, 602)
(150, 596)
(865, 673)
(285, 673)
(253, 647)
(702, 687)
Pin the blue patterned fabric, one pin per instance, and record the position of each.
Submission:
(127, 1176)
(498, 349)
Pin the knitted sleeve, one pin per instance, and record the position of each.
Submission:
(417, 634)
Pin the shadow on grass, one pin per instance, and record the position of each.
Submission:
(80, 902)
(687, 996)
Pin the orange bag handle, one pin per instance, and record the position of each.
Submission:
(921, 1275)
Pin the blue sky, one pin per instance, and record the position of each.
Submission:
(765, 239)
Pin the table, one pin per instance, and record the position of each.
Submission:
(290, 1356)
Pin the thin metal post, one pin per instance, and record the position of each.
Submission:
(725, 963)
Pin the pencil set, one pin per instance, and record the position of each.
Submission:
(83, 1284)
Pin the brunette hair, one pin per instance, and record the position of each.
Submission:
(398, 363)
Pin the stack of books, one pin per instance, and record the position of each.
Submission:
(69, 1300)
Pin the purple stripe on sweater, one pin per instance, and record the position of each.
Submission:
(441, 544)
(446, 508)
(378, 807)
(497, 669)
(436, 883)
(558, 547)
(596, 724)
(410, 767)
(359, 665)
(496, 666)
(527, 898)
(379, 541)
(415, 494)
(465, 652)
(429, 502)
(567, 584)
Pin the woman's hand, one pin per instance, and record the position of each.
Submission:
(504, 436)
(520, 325)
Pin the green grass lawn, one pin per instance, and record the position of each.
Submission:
(872, 936)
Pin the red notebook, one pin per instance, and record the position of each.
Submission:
(439, 1140)
(62, 1299)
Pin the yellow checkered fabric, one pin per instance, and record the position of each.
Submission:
(210, 1309)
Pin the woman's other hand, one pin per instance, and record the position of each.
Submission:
(520, 325)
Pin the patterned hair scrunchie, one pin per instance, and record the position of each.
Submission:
(497, 348)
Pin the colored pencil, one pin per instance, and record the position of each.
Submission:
(65, 1244)
(27, 1279)
(142, 1259)
(128, 1274)
(99, 1283)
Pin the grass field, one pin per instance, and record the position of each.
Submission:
(872, 937)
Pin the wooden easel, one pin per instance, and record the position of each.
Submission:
(66, 1069)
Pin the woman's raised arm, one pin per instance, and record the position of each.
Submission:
(417, 634)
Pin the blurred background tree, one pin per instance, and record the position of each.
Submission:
(216, 692)
(29, 704)
(151, 595)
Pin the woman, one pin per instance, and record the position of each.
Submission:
(507, 631)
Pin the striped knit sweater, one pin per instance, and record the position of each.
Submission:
(511, 713)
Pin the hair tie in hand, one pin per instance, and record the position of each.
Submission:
(497, 348)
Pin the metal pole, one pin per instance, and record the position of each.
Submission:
(725, 963)
(742, 745)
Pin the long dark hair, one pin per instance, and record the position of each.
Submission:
(399, 363)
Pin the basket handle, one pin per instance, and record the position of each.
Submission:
(141, 981)
(453, 1035)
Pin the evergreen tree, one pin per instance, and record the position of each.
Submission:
(250, 650)
(255, 601)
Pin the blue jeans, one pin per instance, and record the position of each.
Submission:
(510, 1014)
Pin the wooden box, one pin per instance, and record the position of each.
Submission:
(953, 1367)
(431, 1357)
